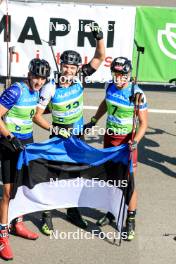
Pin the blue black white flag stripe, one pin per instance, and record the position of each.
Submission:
(63, 173)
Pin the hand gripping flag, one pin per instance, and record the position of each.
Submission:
(63, 173)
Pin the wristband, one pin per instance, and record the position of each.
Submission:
(9, 137)
(93, 120)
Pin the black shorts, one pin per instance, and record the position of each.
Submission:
(9, 160)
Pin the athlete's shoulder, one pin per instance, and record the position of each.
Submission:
(134, 88)
(51, 83)
(10, 96)
(46, 93)
(108, 84)
(137, 89)
(48, 88)
(14, 89)
(143, 104)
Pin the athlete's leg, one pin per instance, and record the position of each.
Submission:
(130, 221)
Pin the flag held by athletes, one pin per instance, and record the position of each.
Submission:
(63, 173)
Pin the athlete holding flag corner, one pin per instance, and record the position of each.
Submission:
(125, 104)
(17, 106)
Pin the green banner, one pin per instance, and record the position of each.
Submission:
(156, 31)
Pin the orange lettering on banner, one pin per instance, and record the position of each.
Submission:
(58, 57)
(16, 57)
(85, 60)
(108, 61)
(37, 54)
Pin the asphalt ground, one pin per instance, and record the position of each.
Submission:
(156, 213)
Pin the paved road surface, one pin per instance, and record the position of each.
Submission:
(156, 208)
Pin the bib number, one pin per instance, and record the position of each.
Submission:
(74, 105)
(32, 113)
(114, 109)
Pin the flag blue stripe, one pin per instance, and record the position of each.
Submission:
(72, 150)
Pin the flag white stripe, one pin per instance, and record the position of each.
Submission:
(61, 195)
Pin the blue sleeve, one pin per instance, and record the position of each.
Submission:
(10, 96)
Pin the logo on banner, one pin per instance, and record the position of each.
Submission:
(167, 40)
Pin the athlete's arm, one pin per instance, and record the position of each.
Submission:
(15, 142)
(40, 120)
(45, 97)
(7, 100)
(3, 130)
(101, 110)
(99, 56)
(143, 123)
(46, 94)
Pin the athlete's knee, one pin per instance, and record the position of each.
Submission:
(6, 197)
(6, 194)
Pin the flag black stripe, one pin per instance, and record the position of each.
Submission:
(41, 170)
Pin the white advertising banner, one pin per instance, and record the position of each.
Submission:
(31, 23)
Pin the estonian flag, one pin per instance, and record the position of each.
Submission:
(63, 173)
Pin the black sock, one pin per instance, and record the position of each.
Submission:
(131, 214)
(110, 216)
